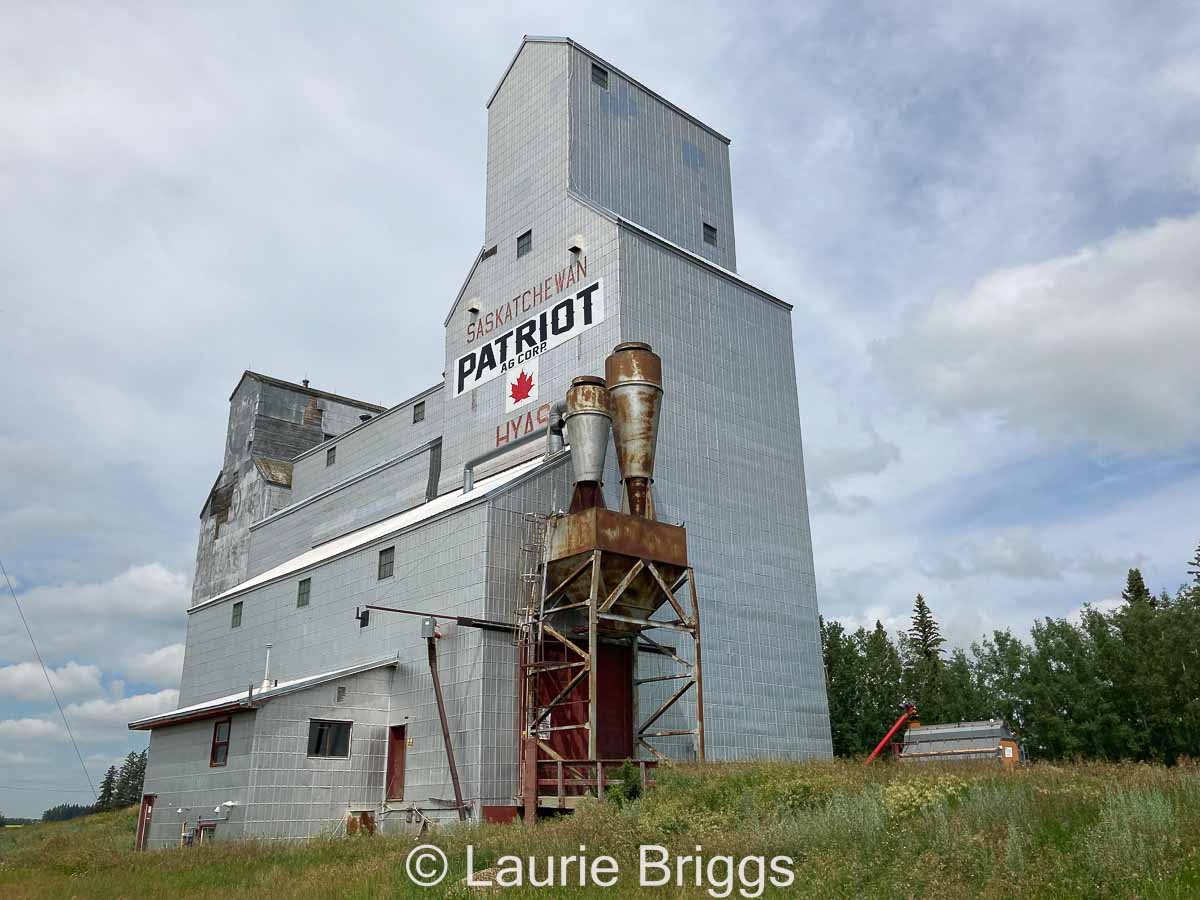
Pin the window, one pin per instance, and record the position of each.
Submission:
(524, 244)
(303, 590)
(600, 76)
(328, 738)
(710, 234)
(330, 456)
(328, 437)
(219, 754)
(341, 694)
(387, 562)
(235, 620)
(418, 412)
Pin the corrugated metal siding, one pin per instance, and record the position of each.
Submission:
(730, 465)
(633, 154)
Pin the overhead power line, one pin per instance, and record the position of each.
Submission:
(49, 683)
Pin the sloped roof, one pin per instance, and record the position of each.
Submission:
(302, 389)
(252, 700)
(347, 543)
(961, 737)
(557, 39)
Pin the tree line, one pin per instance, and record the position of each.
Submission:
(1119, 684)
(119, 788)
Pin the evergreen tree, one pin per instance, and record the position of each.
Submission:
(128, 788)
(1135, 589)
(922, 651)
(1194, 567)
(108, 789)
(924, 633)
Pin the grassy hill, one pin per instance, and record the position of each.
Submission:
(964, 831)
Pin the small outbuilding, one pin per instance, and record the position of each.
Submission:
(986, 740)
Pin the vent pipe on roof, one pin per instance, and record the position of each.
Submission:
(266, 684)
(635, 389)
(305, 382)
(588, 422)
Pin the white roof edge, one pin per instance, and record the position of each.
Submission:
(553, 39)
(387, 528)
(682, 251)
(243, 698)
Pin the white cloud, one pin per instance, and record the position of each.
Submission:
(11, 758)
(163, 666)
(25, 681)
(93, 715)
(31, 730)
(1017, 554)
(1099, 346)
(826, 466)
(107, 622)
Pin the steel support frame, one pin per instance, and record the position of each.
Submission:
(581, 663)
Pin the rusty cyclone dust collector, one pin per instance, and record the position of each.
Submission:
(604, 579)
(635, 386)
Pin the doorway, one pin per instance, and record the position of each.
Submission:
(144, 816)
(397, 744)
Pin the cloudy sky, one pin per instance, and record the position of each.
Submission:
(987, 216)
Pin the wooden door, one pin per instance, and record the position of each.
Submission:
(397, 743)
(143, 825)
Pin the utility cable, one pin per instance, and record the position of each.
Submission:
(49, 683)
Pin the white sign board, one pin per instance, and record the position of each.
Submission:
(555, 325)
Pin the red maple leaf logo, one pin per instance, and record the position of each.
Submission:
(521, 388)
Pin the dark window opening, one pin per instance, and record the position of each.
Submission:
(303, 591)
(600, 76)
(219, 754)
(330, 739)
(418, 412)
(397, 746)
(235, 620)
(341, 694)
(330, 456)
(328, 437)
(524, 243)
(710, 234)
(387, 562)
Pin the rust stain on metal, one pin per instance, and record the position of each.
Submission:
(635, 387)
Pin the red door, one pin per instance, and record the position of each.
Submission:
(614, 706)
(143, 826)
(397, 742)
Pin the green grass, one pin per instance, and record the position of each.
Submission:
(1086, 830)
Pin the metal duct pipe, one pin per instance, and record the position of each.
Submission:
(554, 427)
(588, 421)
(635, 388)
